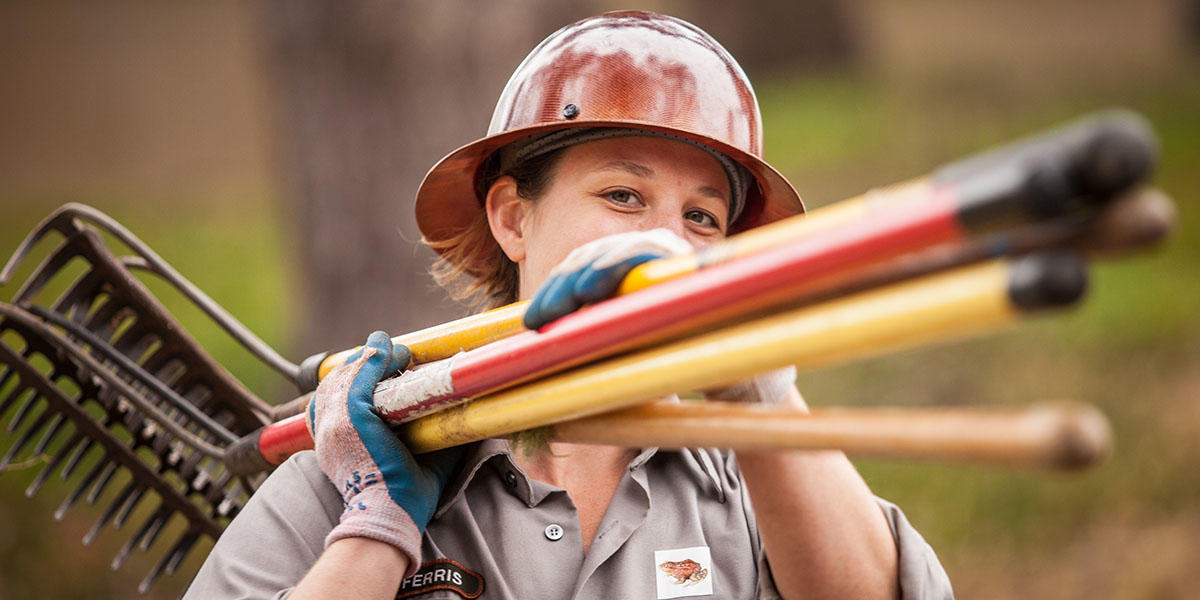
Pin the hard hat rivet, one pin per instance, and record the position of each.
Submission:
(570, 111)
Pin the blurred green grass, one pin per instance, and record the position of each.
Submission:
(1131, 348)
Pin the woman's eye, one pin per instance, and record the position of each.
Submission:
(701, 217)
(624, 197)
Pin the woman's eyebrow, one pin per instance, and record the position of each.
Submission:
(630, 167)
(641, 170)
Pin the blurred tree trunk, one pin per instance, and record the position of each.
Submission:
(772, 35)
(367, 96)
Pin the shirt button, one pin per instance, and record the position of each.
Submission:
(554, 532)
(510, 479)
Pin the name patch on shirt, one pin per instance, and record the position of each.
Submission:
(683, 572)
(442, 574)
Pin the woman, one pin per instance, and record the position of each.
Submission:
(619, 138)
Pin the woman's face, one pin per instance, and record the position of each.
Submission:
(612, 186)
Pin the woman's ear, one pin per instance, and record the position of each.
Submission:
(506, 212)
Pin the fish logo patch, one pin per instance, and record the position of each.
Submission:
(683, 572)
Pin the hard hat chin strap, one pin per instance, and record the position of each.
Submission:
(534, 146)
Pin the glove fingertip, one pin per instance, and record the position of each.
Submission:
(371, 369)
(565, 306)
(311, 417)
(597, 284)
(532, 319)
(594, 285)
(552, 301)
(400, 359)
(380, 340)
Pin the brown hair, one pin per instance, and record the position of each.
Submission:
(494, 282)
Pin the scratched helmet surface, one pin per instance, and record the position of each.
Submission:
(623, 69)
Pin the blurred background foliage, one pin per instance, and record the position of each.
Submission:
(169, 117)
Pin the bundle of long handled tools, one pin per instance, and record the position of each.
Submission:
(101, 384)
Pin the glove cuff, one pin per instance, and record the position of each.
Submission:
(768, 388)
(380, 519)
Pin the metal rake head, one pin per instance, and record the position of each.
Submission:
(102, 384)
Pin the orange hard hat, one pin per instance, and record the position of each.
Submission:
(632, 70)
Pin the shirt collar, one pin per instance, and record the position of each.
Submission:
(476, 457)
(483, 452)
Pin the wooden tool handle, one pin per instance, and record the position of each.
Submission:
(1051, 435)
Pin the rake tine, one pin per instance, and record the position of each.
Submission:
(77, 493)
(202, 479)
(123, 554)
(154, 527)
(27, 400)
(17, 392)
(226, 506)
(105, 320)
(56, 426)
(28, 409)
(108, 514)
(76, 457)
(179, 551)
(149, 531)
(41, 478)
(110, 469)
(37, 280)
(175, 456)
(27, 437)
(213, 479)
(218, 479)
(128, 507)
(78, 301)
(13, 393)
(171, 561)
(186, 465)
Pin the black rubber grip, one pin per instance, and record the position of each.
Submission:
(1085, 163)
(1048, 279)
(310, 372)
(243, 458)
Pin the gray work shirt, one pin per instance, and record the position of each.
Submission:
(679, 525)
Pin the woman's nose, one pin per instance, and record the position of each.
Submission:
(663, 219)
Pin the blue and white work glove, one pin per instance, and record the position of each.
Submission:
(593, 271)
(389, 494)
